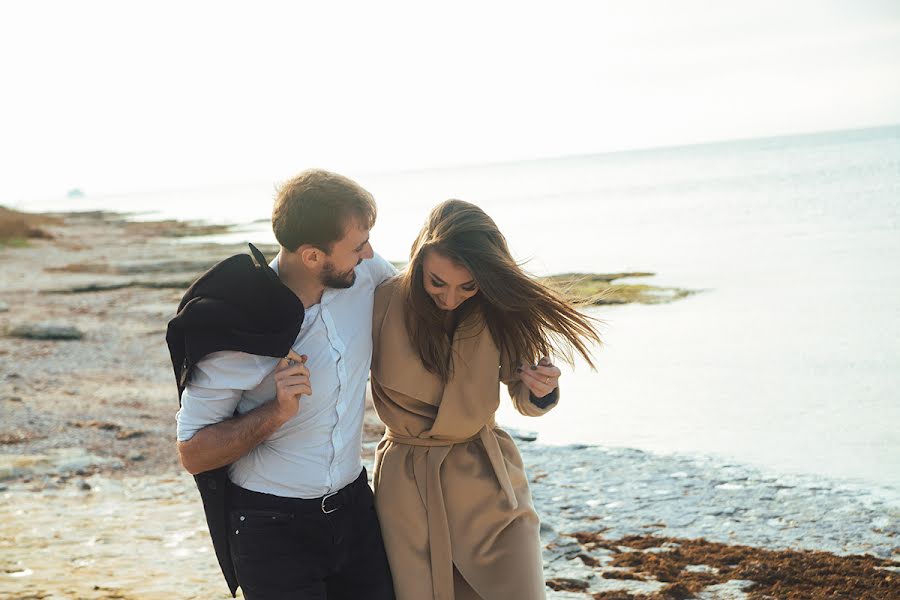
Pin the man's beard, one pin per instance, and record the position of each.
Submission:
(339, 281)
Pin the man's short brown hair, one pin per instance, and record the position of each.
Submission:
(315, 207)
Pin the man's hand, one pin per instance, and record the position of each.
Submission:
(291, 382)
(225, 442)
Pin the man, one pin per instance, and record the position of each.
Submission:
(302, 523)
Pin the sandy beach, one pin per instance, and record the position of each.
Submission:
(95, 505)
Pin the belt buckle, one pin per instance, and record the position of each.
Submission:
(326, 497)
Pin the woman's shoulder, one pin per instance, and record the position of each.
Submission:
(383, 295)
(387, 289)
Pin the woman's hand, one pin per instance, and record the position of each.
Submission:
(541, 378)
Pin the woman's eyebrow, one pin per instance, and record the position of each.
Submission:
(439, 280)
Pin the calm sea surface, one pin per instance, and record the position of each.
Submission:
(790, 356)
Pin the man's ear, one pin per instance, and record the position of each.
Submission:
(310, 256)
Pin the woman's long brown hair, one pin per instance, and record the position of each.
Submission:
(527, 320)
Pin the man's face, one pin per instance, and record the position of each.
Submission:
(348, 252)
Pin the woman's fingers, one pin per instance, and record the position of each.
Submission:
(540, 385)
(541, 378)
(543, 371)
(537, 376)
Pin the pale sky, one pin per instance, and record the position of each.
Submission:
(121, 96)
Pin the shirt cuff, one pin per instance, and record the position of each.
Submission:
(546, 401)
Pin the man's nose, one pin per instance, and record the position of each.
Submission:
(368, 252)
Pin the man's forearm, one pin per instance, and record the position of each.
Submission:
(223, 443)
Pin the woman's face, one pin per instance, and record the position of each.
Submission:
(448, 284)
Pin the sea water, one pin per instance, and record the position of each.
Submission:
(788, 355)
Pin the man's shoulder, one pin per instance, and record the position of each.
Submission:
(229, 269)
(231, 278)
(377, 269)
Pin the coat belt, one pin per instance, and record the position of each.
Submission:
(428, 481)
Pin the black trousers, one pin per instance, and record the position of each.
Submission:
(290, 548)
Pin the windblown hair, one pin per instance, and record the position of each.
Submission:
(314, 208)
(526, 319)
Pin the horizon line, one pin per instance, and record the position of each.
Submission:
(491, 163)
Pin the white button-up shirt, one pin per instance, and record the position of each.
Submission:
(319, 449)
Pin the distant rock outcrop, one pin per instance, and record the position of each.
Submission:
(46, 331)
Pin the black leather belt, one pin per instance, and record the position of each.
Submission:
(326, 504)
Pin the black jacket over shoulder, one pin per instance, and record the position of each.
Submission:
(240, 304)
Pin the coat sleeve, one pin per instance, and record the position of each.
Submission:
(523, 400)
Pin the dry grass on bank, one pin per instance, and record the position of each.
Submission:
(16, 228)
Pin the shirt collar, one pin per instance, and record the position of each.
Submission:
(274, 263)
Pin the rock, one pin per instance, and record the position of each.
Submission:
(60, 460)
(553, 595)
(548, 533)
(127, 434)
(83, 485)
(521, 435)
(701, 569)
(567, 584)
(136, 457)
(731, 590)
(568, 549)
(630, 586)
(729, 486)
(882, 551)
(681, 520)
(4, 307)
(46, 331)
(599, 288)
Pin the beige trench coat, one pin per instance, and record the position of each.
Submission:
(450, 488)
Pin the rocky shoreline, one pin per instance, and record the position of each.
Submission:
(80, 526)
(94, 504)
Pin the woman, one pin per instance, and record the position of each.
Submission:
(450, 489)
